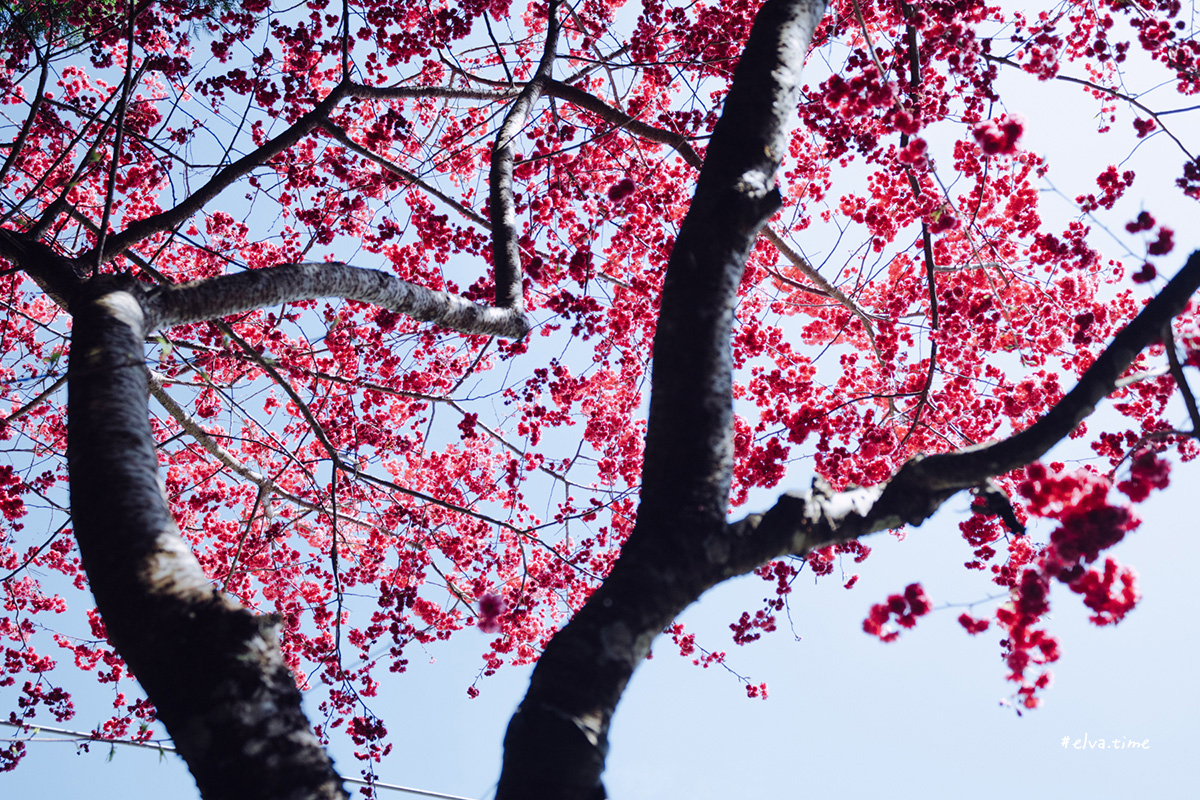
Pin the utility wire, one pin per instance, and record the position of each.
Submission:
(65, 735)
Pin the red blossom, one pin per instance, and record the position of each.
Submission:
(759, 690)
(999, 137)
(1147, 471)
(1163, 244)
(1146, 274)
(620, 190)
(904, 607)
(944, 219)
(1144, 222)
(914, 152)
(491, 608)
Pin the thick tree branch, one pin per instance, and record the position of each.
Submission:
(506, 251)
(619, 119)
(802, 522)
(55, 274)
(259, 288)
(212, 668)
(556, 742)
(955, 471)
(681, 544)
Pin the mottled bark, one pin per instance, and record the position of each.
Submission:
(212, 668)
(556, 742)
(506, 251)
(260, 288)
(681, 544)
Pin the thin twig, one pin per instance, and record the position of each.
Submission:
(118, 140)
(344, 138)
(172, 217)
(35, 402)
(1155, 115)
(84, 737)
(29, 558)
(1189, 399)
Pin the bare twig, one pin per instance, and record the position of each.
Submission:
(166, 220)
(29, 558)
(35, 402)
(1189, 399)
(118, 140)
(1155, 115)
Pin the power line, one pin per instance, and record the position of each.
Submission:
(66, 736)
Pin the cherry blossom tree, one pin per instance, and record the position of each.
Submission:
(362, 305)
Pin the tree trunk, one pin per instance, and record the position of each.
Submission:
(212, 668)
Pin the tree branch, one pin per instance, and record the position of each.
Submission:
(556, 742)
(506, 251)
(213, 670)
(193, 428)
(365, 92)
(35, 106)
(344, 139)
(118, 141)
(34, 403)
(55, 274)
(166, 220)
(259, 288)
(802, 522)
(1189, 399)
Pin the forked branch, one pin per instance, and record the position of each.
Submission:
(802, 522)
(169, 219)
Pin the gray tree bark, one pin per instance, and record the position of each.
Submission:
(213, 669)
